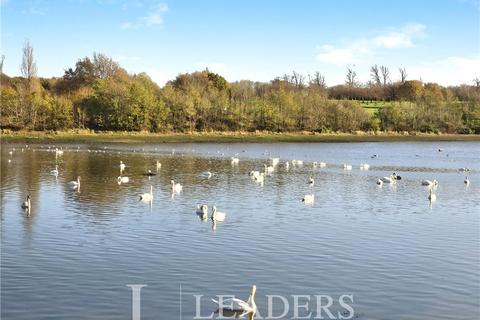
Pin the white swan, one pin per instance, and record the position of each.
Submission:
(429, 183)
(364, 166)
(159, 165)
(235, 160)
(260, 178)
(176, 187)
(347, 166)
(308, 198)
(322, 164)
(55, 171)
(121, 180)
(217, 216)
(432, 197)
(58, 152)
(275, 161)
(254, 174)
(206, 174)
(466, 181)
(237, 305)
(297, 162)
(27, 203)
(287, 165)
(390, 179)
(269, 169)
(122, 166)
(148, 196)
(75, 184)
(202, 211)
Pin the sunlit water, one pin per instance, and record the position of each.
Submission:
(399, 257)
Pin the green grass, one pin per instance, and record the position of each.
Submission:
(142, 137)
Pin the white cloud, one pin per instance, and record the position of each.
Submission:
(34, 11)
(363, 48)
(152, 18)
(333, 55)
(452, 70)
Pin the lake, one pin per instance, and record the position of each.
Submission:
(396, 254)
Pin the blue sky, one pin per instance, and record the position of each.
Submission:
(257, 40)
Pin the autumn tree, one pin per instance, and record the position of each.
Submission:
(410, 90)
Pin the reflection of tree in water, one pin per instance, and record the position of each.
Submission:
(100, 193)
(24, 173)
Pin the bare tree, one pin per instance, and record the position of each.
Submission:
(375, 74)
(403, 75)
(298, 79)
(476, 82)
(351, 80)
(318, 80)
(28, 67)
(1, 63)
(385, 74)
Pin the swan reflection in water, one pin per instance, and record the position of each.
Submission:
(238, 308)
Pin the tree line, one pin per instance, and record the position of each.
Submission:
(98, 94)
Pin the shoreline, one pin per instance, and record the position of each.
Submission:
(223, 137)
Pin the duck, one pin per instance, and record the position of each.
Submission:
(429, 183)
(202, 211)
(308, 198)
(217, 216)
(176, 187)
(27, 203)
(432, 196)
(122, 166)
(121, 180)
(235, 160)
(150, 173)
(269, 169)
(55, 171)
(380, 182)
(311, 181)
(237, 305)
(466, 181)
(148, 196)
(347, 166)
(206, 174)
(75, 184)
(465, 169)
(374, 156)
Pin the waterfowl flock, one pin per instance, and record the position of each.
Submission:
(259, 176)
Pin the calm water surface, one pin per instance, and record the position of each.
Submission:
(398, 256)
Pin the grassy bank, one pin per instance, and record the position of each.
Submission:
(142, 137)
